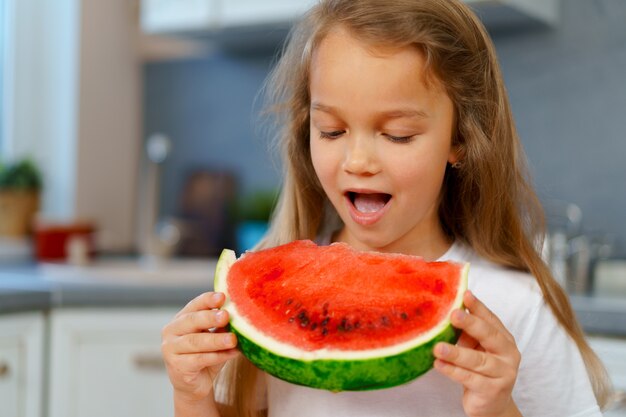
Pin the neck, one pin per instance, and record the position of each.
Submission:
(430, 246)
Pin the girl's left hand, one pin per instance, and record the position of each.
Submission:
(485, 361)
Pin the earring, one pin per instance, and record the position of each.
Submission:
(457, 165)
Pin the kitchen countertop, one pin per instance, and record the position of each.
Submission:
(602, 315)
(24, 288)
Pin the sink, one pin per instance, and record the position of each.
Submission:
(610, 278)
(133, 271)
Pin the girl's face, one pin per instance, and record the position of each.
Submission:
(380, 141)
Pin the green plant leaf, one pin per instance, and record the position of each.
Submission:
(20, 175)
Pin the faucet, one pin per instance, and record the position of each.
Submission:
(571, 254)
(556, 247)
(156, 239)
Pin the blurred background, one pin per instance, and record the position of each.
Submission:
(132, 152)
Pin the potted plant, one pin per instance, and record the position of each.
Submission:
(252, 214)
(20, 187)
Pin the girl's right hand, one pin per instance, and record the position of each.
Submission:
(194, 355)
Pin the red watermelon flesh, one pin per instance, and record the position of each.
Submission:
(334, 297)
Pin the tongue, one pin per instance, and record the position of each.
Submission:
(369, 203)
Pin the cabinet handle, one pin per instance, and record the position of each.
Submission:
(4, 369)
(146, 361)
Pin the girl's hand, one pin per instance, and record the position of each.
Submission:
(485, 361)
(194, 355)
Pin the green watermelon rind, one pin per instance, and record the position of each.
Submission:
(347, 375)
(338, 372)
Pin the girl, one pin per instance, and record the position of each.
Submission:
(397, 136)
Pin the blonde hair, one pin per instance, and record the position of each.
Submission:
(489, 194)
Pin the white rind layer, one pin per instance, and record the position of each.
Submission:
(247, 329)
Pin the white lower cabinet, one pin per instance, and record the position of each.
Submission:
(21, 364)
(108, 363)
(612, 352)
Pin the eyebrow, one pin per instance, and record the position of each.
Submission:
(392, 114)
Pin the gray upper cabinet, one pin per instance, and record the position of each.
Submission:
(233, 21)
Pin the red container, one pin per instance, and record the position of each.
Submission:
(51, 240)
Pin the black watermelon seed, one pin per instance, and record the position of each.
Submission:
(314, 326)
(304, 322)
(344, 326)
(324, 331)
(325, 321)
(404, 315)
(302, 314)
(289, 301)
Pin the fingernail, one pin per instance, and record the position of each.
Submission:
(460, 315)
(443, 349)
(220, 315)
(216, 296)
(228, 340)
(470, 295)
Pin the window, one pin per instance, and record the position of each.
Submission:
(3, 37)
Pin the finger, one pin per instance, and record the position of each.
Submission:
(470, 380)
(204, 342)
(195, 362)
(490, 338)
(472, 360)
(478, 308)
(198, 321)
(204, 301)
(467, 341)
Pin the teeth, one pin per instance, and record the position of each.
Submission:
(369, 203)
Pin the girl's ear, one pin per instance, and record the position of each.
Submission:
(456, 154)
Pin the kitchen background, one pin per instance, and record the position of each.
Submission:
(142, 118)
(567, 86)
(101, 98)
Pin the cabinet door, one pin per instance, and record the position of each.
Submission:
(108, 363)
(21, 364)
(10, 370)
(612, 352)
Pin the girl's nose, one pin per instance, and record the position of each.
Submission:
(360, 157)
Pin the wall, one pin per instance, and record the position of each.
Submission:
(568, 92)
(206, 107)
(567, 87)
(73, 105)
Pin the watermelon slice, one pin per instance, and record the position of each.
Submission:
(335, 318)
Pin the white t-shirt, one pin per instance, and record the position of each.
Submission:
(552, 380)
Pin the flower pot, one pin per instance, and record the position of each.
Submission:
(249, 233)
(53, 241)
(17, 211)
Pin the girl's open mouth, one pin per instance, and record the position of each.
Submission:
(367, 208)
(370, 202)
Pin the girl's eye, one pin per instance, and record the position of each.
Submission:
(399, 139)
(331, 135)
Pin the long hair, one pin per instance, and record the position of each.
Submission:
(488, 203)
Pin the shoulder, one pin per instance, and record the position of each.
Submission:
(514, 296)
(496, 281)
